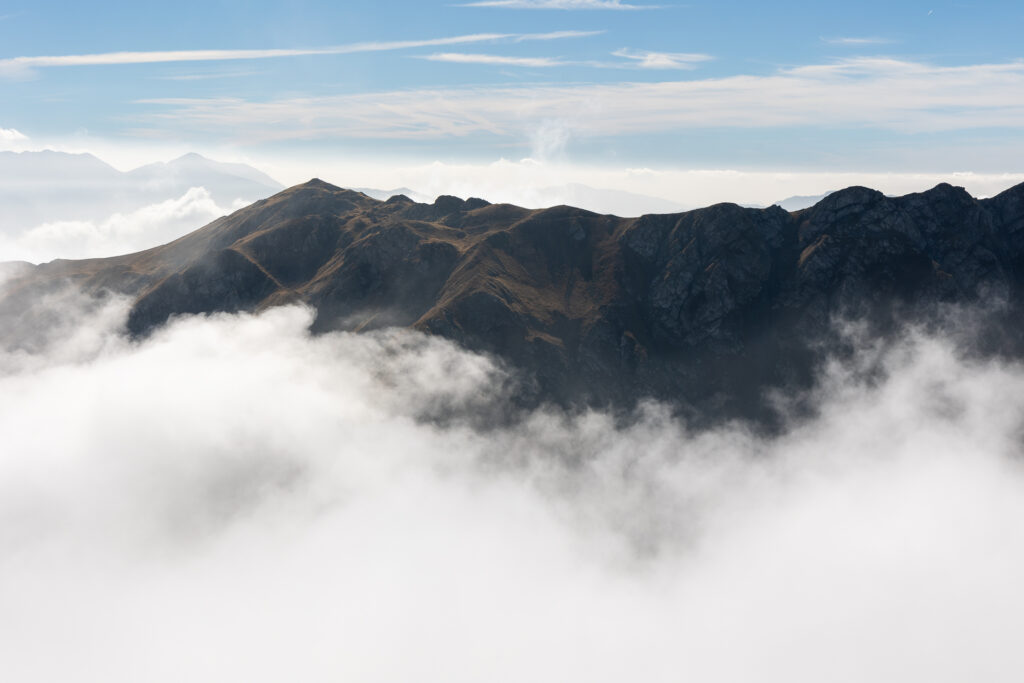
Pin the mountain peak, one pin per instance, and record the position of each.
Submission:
(189, 157)
(848, 197)
(318, 183)
(195, 169)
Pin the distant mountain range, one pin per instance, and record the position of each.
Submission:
(225, 181)
(708, 309)
(384, 195)
(801, 201)
(60, 204)
(47, 186)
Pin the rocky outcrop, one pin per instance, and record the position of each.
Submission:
(707, 308)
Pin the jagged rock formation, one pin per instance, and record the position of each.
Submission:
(707, 308)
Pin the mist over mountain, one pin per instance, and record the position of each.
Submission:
(712, 309)
(58, 204)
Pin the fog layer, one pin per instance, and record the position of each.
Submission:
(235, 500)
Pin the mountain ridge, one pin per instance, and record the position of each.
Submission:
(710, 308)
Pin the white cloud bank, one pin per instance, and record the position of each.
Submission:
(907, 97)
(234, 500)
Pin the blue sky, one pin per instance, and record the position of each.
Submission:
(912, 86)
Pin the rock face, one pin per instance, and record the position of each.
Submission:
(707, 308)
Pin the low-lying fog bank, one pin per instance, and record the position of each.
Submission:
(233, 499)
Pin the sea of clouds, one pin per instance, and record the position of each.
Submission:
(235, 499)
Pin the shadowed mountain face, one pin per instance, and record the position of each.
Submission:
(708, 308)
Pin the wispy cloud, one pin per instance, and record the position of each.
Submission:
(641, 59)
(18, 65)
(556, 35)
(854, 41)
(662, 60)
(212, 76)
(462, 58)
(559, 4)
(881, 93)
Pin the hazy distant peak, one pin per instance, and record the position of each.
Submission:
(50, 164)
(63, 204)
(798, 202)
(190, 156)
(194, 163)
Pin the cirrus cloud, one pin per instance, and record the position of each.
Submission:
(500, 60)
(662, 60)
(903, 96)
(20, 67)
(855, 41)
